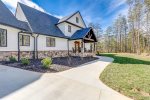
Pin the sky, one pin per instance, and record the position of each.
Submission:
(103, 12)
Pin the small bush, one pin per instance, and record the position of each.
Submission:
(46, 62)
(25, 61)
(12, 59)
(98, 53)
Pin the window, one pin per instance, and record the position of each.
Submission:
(77, 20)
(3, 37)
(69, 28)
(50, 42)
(24, 40)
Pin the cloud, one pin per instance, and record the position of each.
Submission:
(115, 4)
(12, 4)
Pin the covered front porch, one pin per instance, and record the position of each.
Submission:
(83, 42)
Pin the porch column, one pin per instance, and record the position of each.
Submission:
(83, 46)
(68, 46)
(94, 47)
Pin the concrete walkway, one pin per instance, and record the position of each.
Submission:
(81, 83)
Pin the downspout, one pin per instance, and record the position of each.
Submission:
(19, 46)
(37, 57)
(34, 46)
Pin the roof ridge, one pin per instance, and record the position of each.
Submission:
(38, 10)
(67, 17)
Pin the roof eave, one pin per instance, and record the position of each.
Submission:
(13, 26)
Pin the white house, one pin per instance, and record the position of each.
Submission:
(35, 34)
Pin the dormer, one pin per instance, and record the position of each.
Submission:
(70, 24)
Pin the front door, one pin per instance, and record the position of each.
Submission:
(77, 46)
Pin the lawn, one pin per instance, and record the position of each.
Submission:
(129, 74)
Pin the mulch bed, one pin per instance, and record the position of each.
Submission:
(59, 64)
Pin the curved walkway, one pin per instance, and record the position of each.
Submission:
(81, 83)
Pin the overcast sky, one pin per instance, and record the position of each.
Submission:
(97, 11)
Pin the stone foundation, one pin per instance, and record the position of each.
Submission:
(57, 53)
(4, 55)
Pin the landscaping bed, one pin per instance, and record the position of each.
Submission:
(129, 74)
(58, 64)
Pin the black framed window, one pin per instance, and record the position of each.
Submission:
(3, 37)
(77, 20)
(24, 40)
(69, 28)
(50, 42)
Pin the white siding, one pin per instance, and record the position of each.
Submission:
(64, 28)
(60, 44)
(12, 40)
(20, 15)
(87, 46)
(73, 20)
(28, 48)
(72, 45)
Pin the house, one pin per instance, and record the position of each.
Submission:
(35, 34)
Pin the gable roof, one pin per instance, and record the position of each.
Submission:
(83, 34)
(42, 23)
(7, 18)
(67, 17)
(80, 34)
(64, 19)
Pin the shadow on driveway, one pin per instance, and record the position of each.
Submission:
(13, 79)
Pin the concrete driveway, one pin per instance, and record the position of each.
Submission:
(81, 83)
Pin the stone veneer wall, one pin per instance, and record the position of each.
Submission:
(4, 55)
(57, 53)
(43, 54)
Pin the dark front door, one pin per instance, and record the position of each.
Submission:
(77, 46)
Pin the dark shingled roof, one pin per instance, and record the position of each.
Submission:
(42, 23)
(67, 17)
(7, 18)
(80, 34)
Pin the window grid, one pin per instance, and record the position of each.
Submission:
(3, 38)
(50, 42)
(69, 28)
(24, 40)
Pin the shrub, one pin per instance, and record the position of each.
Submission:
(46, 62)
(12, 59)
(25, 61)
(98, 53)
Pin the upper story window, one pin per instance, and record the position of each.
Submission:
(3, 37)
(50, 42)
(24, 40)
(69, 28)
(77, 20)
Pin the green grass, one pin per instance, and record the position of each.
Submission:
(128, 74)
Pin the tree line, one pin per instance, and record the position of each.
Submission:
(128, 33)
